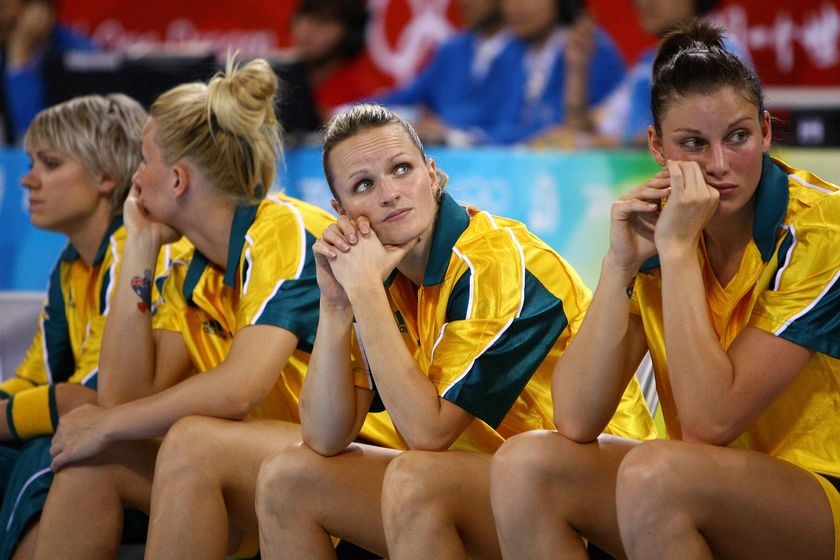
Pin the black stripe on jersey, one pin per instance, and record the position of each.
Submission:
(500, 374)
(819, 328)
(57, 331)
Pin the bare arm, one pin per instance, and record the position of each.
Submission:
(424, 419)
(594, 370)
(332, 408)
(127, 368)
(718, 393)
(230, 390)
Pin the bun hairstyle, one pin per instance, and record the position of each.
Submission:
(692, 60)
(102, 133)
(228, 128)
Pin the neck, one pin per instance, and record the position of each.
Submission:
(87, 239)
(208, 227)
(726, 238)
(413, 265)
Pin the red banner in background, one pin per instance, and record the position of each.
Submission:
(796, 42)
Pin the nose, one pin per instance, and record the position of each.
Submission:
(29, 180)
(388, 190)
(716, 164)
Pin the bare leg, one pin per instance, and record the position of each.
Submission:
(437, 505)
(304, 497)
(548, 492)
(205, 483)
(680, 500)
(83, 516)
(26, 547)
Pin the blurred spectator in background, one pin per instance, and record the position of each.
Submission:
(536, 86)
(29, 33)
(328, 38)
(452, 93)
(623, 118)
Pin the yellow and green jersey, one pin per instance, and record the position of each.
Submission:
(69, 337)
(789, 285)
(269, 279)
(495, 312)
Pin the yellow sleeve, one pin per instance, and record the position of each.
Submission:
(14, 385)
(32, 412)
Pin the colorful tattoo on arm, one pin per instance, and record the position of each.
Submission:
(143, 288)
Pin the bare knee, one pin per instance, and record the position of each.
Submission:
(650, 476)
(287, 481)
(412, 485)
(190, 448)
(532, 461)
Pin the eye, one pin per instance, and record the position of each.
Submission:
(362, 185)
(739, 136)
(51, 162)
(692, 143)
(402, 169)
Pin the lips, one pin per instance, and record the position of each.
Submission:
(397, 215)
(723, 188)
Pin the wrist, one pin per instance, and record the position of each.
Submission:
(615, 267)
(677, 254)
(144, 244)
(335, 313)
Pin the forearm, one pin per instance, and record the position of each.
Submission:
(205, 394)
(595, 368)
(700, 371)
(576, 99)
(126, 367)
(409, 396)
(328, 408)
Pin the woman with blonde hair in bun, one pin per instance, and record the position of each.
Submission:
(239, 304)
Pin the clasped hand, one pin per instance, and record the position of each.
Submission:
(350, 255)
(667, 213)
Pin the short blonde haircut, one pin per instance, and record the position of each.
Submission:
(228, 128)
(102, 133)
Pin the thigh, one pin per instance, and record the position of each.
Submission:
(458, 482)
(747, 504)
(341, 493)
(571, 485)
(241, 447)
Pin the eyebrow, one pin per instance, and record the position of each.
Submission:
(364, 171)
(733, 124)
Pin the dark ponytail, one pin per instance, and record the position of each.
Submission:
(692, 60)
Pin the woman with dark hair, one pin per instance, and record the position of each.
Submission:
(730, 260)
(328, 38)
(543, 78)
(622, 118)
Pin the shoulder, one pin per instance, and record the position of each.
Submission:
(811, 197)
(283, 214)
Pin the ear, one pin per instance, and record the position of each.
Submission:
(336, 205)
(655, 146)
(434, 176)
(105, 184)
(180, 179)
(766, 132)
